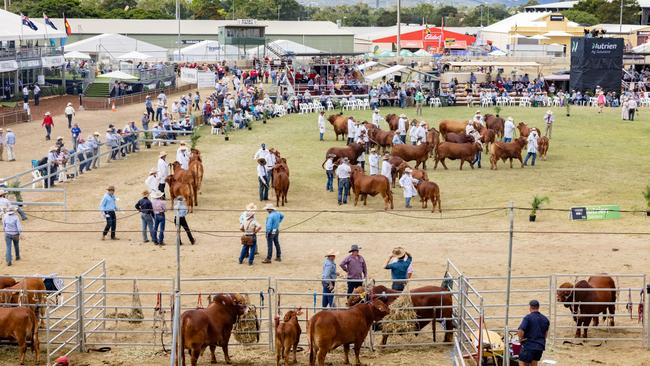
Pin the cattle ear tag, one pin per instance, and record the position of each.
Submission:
(223, 303)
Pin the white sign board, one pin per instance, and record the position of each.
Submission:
(205, 79)
(52, 61)
(189, 75)
(247, 21)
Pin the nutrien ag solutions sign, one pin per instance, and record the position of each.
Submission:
(596, 62)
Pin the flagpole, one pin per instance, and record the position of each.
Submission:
(63, 82)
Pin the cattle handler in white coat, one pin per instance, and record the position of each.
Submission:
(407, 182)
(183, 157)
(387, 168)
(373, 161)
(163, 172)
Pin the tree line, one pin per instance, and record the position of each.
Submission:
(587, 12)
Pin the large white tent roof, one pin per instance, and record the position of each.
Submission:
(389, 71)
(287, 46)
(12, 28)
(115, 45)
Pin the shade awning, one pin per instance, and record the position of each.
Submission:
(76, 55)
(539, 37)
(118, 75)
(134, 55)
(557, 34)
(389, 71)
(366, 65)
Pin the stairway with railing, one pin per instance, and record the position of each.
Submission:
(276, 50)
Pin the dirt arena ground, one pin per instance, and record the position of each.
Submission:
(593, 159)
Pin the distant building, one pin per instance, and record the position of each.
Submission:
(552, 7)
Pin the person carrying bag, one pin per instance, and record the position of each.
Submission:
(250, 227)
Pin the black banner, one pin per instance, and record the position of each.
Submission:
(596, 62)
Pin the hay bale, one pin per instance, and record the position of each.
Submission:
(401, 317)
(246, 329)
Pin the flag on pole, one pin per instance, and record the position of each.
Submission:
(26, 21)
(48, 22)
(66, 24)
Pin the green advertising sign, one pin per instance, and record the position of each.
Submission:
(600, 212)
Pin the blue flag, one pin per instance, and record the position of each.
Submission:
(47, 21)
(28, 22)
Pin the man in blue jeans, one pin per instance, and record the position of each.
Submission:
(12, 228)
(399, 268)
(329, 278)
(532, 333)
(273, 233)
(343, 172)
(108, 206)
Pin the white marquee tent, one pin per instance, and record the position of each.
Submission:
(208, 50)
(386, 72)
(12, 28)
(284, 45)
(113, 45)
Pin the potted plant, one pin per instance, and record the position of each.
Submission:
(536, 204)
(497, 110)
(646, 195)
(194, 138)
(568, 107)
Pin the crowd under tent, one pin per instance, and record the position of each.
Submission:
(113, 45)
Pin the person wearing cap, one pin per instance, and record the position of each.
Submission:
(355, 266)
(262, 179)
(159, 206)
(69, 113)
(401, 127)
(328, 165)
(52, 166)
(162, 171)
(183, 156)
(152, 180)
(414, 132)
(108, 206)
(76, 132)
(180, 212)
(12, 229)
(329, 278)
(419, 99)
(399, 267)
(112, 141)
(145, 208)
(262, 152)
(471, 131)
(271, 159)
(373, 161)
(273, 233)
(407, 182)
(508, 130)
(10, 140)
(148, 105)
(478, 118)
(321, 125)
(387, 168)
(532, 333)
(82, 154)
(62, 361)
(48, 122)
(548, 122)
(249, 225)
(343, 172)
(376, 118)
(145, 121)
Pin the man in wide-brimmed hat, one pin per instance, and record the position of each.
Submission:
(183, 156)
(329, 278)
(373, 161)
(145, 207)
(162, 172)
(407, 182)
(11, 144)
(152, 180)
(386, 167)
(321, 125)
(548, 122)
(12, 229)
(249, 225)
(108, 206)
(355, 266)
(273, 233)
(48, 122)
(328, 165)
(159, 207)
(262, 179)
(376, 118)
(399, 267)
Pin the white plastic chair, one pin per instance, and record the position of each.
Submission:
(330, 105)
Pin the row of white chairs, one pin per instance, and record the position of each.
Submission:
(356, 104)
(310, 107)
(435, 102)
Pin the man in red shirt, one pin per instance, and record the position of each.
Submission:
(48, 122)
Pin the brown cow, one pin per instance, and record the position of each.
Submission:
(488, 136)
(542, 146)
(419, 153)
(524, 130)
(196, 167)
(397, 165)
(381, 138)
(430, 302)
(287, 336)
(447, 126)
(184, 177)
(351, 151)
(211, 327)
(21, 325)
(281, 182)
(429, 191)
(393, 121)
(506, 150)
(329, 329)
(6, 282)
(419, 174)
(364, 185)
(433, 138)
(29, 291)
(495, 123)
(453, 151)
(340, 124)
(459, 138)
(177, 188)
(578, 298)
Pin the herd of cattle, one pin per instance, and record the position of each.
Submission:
(448, 142)
(22, 306)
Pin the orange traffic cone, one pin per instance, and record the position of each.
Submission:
(113, 108)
